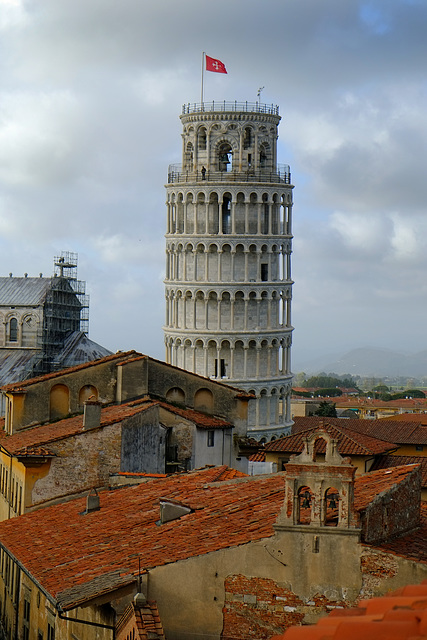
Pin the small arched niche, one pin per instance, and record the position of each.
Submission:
(88, 392)
(203, 400)
(59, 402)
(176, 394)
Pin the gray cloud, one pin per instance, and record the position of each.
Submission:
(89, 121)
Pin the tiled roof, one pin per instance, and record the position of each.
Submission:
(413, 545)
(55, 374)
(145, 619)
(200, 419)
(47, 433)
(349, 442)
(257, 457)
(71, 555)
(397, 431)
(387, 429)
(401, 615)
(366, 403)
(371, 485)
(421, 418)
(385, 462)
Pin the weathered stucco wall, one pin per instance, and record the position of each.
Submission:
(82, 462)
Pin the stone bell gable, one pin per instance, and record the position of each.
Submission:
(317, 538)
(319, 493)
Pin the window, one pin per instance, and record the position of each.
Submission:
(419, 447)
(13, 330)
(50, 631)
(220, 372)
(211, 438)
(26, 618)
(264, 272)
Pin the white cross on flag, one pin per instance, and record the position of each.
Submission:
(215, 65)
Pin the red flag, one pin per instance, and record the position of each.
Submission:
(215, 65)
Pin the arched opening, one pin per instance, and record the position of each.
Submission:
(226, 213)
(332, 501)
(202, 138)
(59, 402)
(305, 503)
(225, 157)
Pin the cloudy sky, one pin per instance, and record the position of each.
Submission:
(90, 97)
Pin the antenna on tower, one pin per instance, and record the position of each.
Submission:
(259, 93)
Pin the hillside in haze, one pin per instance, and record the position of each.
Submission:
(367, 361)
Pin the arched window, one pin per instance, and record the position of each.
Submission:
(202, 138)
(13, 330)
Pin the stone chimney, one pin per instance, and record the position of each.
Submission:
(91, 414)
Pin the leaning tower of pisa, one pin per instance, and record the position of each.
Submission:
(228, 244)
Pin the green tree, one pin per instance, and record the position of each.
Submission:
(326, 409)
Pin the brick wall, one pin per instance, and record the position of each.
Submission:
(258, 608)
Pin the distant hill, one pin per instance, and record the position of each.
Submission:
(369, 361)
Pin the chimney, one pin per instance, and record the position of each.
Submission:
(92, 502)
(91, 414)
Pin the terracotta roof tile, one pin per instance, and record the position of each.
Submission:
(349, 442)
(371, 485)
(73, 555)
(44, 434)
(385, 462)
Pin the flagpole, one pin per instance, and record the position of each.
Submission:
(203, 68)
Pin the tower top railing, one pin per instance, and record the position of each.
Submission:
(280, 173)
(224, 105)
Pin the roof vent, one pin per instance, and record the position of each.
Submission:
(92, 502)
(10, 274)
(171, 510)
(25, 275)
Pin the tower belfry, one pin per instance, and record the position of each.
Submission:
(228, 244)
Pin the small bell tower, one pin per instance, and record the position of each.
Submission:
(317, 536)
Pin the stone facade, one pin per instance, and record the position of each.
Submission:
(228, 242)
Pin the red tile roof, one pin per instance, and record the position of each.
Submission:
(371, 485)
(349, 442)
(398, 431)
(112, 414)
(385, 462)
(145, 620)
(75, 557)
(387, 429)
(401, 615)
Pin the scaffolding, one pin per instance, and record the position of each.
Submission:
(66, 309)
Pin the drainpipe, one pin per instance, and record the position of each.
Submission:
(91, 624)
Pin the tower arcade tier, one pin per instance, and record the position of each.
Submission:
(228, 243)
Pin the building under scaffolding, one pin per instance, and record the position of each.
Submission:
(44, 322)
